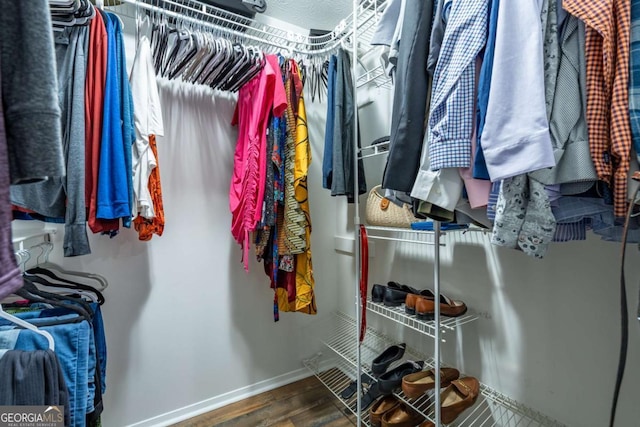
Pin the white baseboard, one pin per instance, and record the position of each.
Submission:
(216, 402)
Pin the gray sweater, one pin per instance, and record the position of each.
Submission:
(64, 197)
(29, 91)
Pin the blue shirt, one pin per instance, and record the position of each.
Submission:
(113, 189)
(126, 111)
(479, 165)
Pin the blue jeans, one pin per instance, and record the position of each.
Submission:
(101, 344)
(73, 347)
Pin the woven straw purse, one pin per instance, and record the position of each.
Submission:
(382, 212)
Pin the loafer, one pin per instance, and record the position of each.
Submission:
(410, 301)
(394, 297)
(425, 308)
(458, 396)
(415, 385)
(402, 416)
(392, 379)
(381, 407)
(380, 364)
(377, 293)
(401, 287)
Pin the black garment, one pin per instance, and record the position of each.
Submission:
(33, 378)
(410, 98)
(342, 182)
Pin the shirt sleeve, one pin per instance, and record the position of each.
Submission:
(515, 139)
(30, 92)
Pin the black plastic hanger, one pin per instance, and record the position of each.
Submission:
(61, 282)
(30, 292)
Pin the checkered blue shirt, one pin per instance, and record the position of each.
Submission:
(454, 84)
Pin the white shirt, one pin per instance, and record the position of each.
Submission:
(515, 138)
(148, 121)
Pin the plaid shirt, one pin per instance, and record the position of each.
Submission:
(608, 24)
(454, 89)
(634, 75)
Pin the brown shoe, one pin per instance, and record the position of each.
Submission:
(427, 424)
(402, 416)
(460, 395)
(410, 300)
(381, 407)
(414, 385)
(425, 308)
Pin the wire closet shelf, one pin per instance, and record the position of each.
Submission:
(251, 30)
(338, 368)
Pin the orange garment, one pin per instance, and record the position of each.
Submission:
(608, 26)
(146, 228)
(93, 107)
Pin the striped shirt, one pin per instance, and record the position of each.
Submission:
(607, 56)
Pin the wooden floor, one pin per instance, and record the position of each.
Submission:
(306, 403)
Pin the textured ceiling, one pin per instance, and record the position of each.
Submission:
(322, 15)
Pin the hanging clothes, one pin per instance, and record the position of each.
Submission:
(484, 86)
(292, 232)
(147, 207)
(305, 282)
(30, 127)
(327, 159)
(127, 114)
(146, 227)
(574, 168)
(115, 148)
(452, 112)
(10, 276)
(63, 197)
(515, 137)
(94, 104)
(302, 298)
(634, 76)
(607, 56)
(33, 378)
(343, 174)
(30, 92)
(257, 99)
(409, 105)
(81, 350)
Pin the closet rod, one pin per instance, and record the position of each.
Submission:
(182, 17)
(264, 34)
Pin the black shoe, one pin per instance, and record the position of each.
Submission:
(392, 379)
(353, 385)
(404, 288)
(380, 364)
(394, 297)
(377, 293)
